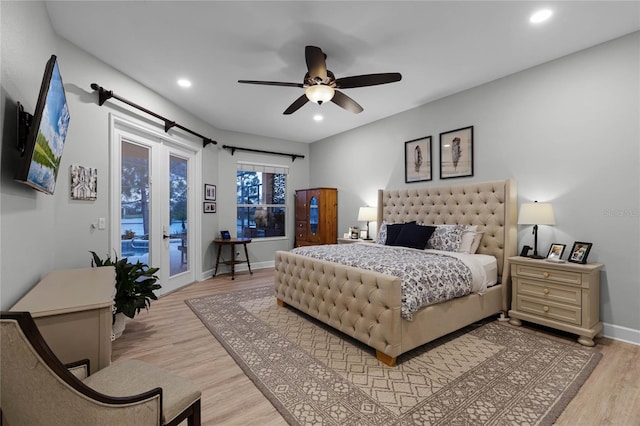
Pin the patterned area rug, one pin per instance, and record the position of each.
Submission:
(484, 374)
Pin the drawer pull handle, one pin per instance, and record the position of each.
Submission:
(546, 291)
(545, 274)
(546, 309)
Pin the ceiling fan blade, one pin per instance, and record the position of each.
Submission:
(367, 80)
(316, 63)
(296, 105)
(346, 102)
(271, 83)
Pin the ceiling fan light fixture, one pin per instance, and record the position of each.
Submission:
(319, 93)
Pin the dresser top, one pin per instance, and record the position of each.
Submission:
(587, 267)
(70, 290)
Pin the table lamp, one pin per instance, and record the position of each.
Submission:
(368, 214)
(536, 214)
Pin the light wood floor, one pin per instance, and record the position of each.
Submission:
(169, 335)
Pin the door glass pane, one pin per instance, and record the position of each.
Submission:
(178, 195)
(313, 215)
(134, 202)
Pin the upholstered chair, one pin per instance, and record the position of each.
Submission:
(37, 389)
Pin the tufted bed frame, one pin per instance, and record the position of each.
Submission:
(366, 305)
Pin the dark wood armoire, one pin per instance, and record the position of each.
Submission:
(316, 216)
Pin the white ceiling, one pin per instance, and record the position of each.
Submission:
(440, 48)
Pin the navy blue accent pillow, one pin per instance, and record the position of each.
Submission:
(414, 236)
(393, 230)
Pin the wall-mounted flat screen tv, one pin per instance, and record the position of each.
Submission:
(41, 136)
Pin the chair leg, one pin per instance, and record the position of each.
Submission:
(191, 413)
(194, 418)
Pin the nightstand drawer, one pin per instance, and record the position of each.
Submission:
(537, 271)
(547, 291)
(551, 310)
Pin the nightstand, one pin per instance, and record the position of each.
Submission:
(565, 296)
(351, 241)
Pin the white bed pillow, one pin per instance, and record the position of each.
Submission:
(466, 239)
(477, 238)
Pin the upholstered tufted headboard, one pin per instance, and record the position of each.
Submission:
(492, 206)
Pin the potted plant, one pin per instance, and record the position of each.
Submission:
(135, 285)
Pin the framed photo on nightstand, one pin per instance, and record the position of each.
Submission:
(579, 252)
(556, 251)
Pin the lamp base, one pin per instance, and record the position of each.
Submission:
(535, 256)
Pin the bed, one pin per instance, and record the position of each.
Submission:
(366, 305)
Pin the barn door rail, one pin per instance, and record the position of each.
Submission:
(104, 95)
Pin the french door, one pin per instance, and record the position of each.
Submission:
(153, 202)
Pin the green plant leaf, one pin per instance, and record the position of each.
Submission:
(135, 283)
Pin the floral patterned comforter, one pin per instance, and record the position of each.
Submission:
(428, 276)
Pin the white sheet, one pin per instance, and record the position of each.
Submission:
(484, 268)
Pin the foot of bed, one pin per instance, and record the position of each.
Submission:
(280, 303)
(386, 359)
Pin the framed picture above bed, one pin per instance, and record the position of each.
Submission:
(417, 160)
(456, 153)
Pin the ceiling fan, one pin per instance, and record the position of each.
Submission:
(321, 84)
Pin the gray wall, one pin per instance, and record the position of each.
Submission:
(41, 233)
(567, 131)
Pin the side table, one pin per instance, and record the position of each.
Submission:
(232, 243)
(565, 296)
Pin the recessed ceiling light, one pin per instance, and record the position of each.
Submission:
(183, 82)
(318, 117)
(540, 16)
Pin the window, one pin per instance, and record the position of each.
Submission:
(261, 200)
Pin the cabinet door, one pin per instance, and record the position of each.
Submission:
(301, 206)
(314, 216)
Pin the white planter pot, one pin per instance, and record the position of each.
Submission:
(118, 326)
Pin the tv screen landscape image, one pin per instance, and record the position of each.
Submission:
(46, 134)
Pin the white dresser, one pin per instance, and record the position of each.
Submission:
(73, 311)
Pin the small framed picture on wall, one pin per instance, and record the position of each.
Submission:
(209, 207)
(209, 192)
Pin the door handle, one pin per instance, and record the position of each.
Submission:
(165, 236)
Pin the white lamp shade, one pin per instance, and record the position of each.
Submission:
(320, 93)
(367, 214)
(536, 214)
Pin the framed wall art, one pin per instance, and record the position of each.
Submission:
(417, 160)
(209, 207)
(579, 252)
(456, 153)
(209, 192)
(84, 183)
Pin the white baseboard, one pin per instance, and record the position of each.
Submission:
(624, 334)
